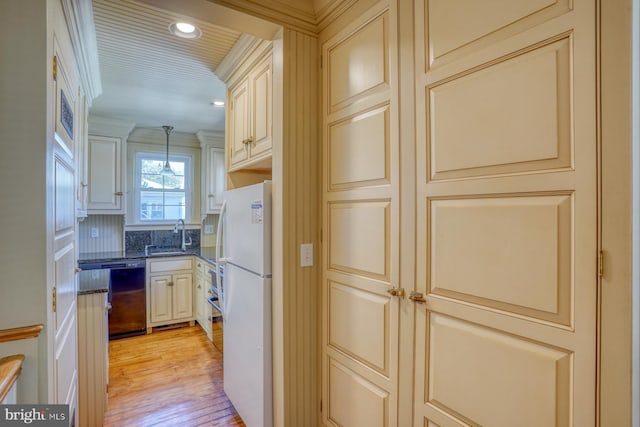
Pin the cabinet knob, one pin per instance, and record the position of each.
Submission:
(119, 193)
(170, 284)
(247, 140)
(212, 195)
(396, 292)
(199, 287)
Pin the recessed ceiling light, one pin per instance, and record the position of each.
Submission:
(218, 103)
(184, 30)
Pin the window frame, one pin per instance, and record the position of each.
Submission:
(188, 160)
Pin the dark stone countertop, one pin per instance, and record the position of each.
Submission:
(207, 253)
(93, 281)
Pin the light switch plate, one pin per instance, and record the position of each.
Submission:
(95, 232)
(208, 229)
(306, 255)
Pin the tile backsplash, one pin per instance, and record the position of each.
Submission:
(135, 241)
(106, 233)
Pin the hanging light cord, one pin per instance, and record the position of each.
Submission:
(167, 167)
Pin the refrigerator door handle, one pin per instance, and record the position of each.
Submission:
(219, 260)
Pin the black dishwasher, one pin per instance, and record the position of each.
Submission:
(127, 297)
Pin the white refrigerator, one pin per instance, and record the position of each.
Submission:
(245, 227)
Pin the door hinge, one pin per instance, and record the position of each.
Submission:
(321, 406)
(600, 264)
(321, 235)
(54, 298)
(55, 68)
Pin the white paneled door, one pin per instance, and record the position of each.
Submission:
(490, 214)
(360, 202)
(506, 213)
(64, 378)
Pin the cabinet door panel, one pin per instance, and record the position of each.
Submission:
(160, 298)
(239, 123)
(215, 179)
(199, 298)
(261, 108)
(105, 192)
(182, 296)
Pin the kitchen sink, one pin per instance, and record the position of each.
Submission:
(150, 250)
(164, 253)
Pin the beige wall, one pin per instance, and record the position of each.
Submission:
(110, 234)
(26, 183)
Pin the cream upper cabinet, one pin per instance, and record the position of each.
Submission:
(261, 82)
(213, 179)
(239, 123)
(249, 127)
(169, 291)
(105, 175)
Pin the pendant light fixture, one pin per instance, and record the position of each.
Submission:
(166, 170)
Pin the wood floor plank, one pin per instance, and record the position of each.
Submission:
(168, 378)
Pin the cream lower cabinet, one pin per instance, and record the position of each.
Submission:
(169, 291)
(202, 294)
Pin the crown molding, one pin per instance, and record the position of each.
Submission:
(106, 126)
(275, 11)
(82, 31)
(279, 12)
(331, 12)
(241, 50)
(210, 138)
(241, 65)
(158, 136)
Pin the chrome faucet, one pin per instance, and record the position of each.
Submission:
(184, 244)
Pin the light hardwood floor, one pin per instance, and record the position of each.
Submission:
(168, 378)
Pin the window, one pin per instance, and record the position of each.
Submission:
(162, 198)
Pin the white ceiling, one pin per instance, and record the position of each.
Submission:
(151, 77)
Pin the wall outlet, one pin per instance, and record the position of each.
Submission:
(306, 255)
(208, 229)
(95, 233)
